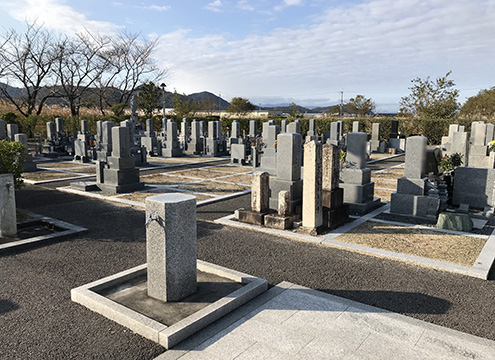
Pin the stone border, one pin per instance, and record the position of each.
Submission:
(80, 177)
(214, 198)
(385, 158)
(69, 230)
(480, 269)
(167, 336)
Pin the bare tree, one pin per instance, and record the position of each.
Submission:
(26, 61)
(130, 63)
(80, 66)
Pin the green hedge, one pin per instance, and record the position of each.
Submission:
(433, 129)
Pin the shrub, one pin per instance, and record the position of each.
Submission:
(12, 155)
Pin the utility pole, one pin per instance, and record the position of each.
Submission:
(219, 98)
(341, 103)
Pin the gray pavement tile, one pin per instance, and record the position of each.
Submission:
(276, 336)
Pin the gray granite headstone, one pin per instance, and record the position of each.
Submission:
(356, 126)
(51, 130)
(415, 162)
(12, 129)
(8, 218)
(236, 129)
(171, 246)
(59, 124)
(84, 126)
(253, 128)
(356, 150)
(294, 127)
(3, 131)
(283, 126)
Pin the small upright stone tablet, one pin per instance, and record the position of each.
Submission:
(171, 246)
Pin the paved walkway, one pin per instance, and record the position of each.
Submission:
(294, 322)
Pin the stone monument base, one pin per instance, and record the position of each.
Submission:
(251, 217)
(333, 218)
(364, 208)
(123, 298)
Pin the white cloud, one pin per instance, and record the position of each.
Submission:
(244, 5)
(374, 48)
(55, 14)
(215, 6)
(287, 3)
(154, 7)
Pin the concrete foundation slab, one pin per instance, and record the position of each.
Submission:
(170, 323)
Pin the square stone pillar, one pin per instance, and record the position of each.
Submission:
(8, 218)
(356, 126)
(253, 128)
(312, 213)
(171, 246)
(260, 191)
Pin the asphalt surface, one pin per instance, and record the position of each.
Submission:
(38, 320)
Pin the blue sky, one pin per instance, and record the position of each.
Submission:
(305, 51)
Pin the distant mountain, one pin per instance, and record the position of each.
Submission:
(285, 108)
(205, 96)
(114, 93)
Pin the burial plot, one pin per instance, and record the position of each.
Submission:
(174, 295)
(356, 177)
(120, 174)
(412, 198)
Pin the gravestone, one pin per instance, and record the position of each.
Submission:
(356, 177)
(288, 171)
(474, 186)
(411, 197)
(81, 144)
(478, 149)
(27, 165)
(105, 142)
(138, 152)
(238, 148)
(375, 137)
(356, 126)
(269, 156)
(394, 129)
(120, 175)
(51, 131)
(460, 144)
(149, 141)
(3, 131)
(311, 134)
(335, 212)
(335, 133)
(283, 218)
(59, 125)
(260, 192)
(171, 243)
(195, 146)
(283, 126)
(172, 146)
(12, 129)
(294, 127)
(253, 128)
(8, 217)
(312, 208)
(212, 139)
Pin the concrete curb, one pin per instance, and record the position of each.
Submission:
(69, 229)
(167, 336)
(479, 270)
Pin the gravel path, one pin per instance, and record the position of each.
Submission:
(38, 320)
